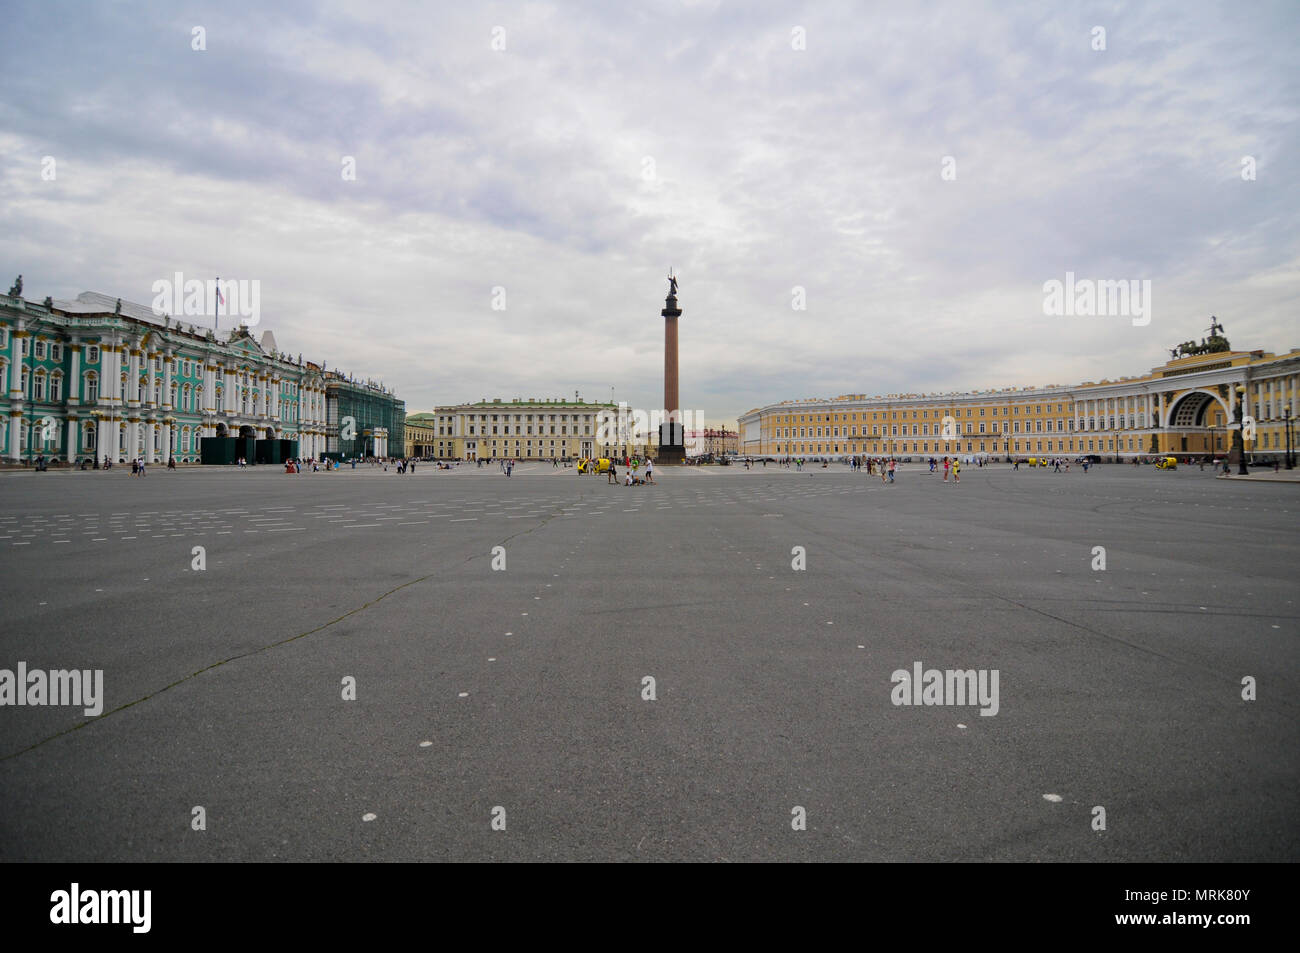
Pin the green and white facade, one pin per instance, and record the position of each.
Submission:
(95, 378)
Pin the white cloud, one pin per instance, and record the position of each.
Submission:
(773, 168)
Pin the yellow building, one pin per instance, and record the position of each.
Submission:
(420, 431)
(1183, 406)
(518, 429)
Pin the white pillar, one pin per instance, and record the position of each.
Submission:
(74, 378)
(107, 379)
(167, 381)
(15, 435)
(71, 452)
(133, 379)
(16, 368)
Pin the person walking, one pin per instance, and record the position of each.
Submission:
(956, 471)
(947, 464)
(613, 473)
(891, 471)
(649, 470)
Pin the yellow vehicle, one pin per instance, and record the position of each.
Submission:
(1032, 461)
(1167, 463)
(599, 466)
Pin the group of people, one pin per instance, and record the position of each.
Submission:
(630, 474)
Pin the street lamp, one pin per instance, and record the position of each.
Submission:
(1238, 443)
(1290, 455)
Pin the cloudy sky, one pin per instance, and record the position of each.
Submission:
(570, 153)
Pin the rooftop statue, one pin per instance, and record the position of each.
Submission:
(16, 289)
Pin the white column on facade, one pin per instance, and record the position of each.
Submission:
(166, 441)
(133, 378)
(73, 391)
(167, 381)
(148, 431)
(15, 435)
(16, 368)
(107, 383)
(209, 388)
(71, 452)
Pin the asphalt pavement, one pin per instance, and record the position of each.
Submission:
(500, 633)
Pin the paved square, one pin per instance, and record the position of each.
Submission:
(524, 689)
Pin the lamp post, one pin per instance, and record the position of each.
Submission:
(1238, 443)
(1286, 420)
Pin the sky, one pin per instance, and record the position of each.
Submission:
(855, 197)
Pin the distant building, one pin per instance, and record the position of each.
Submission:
(362, 417)
(711, 442)
(1183, 406)
(521, 429)
(420, 431)
(98, 377)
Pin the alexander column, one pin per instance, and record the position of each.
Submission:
(672, 443)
